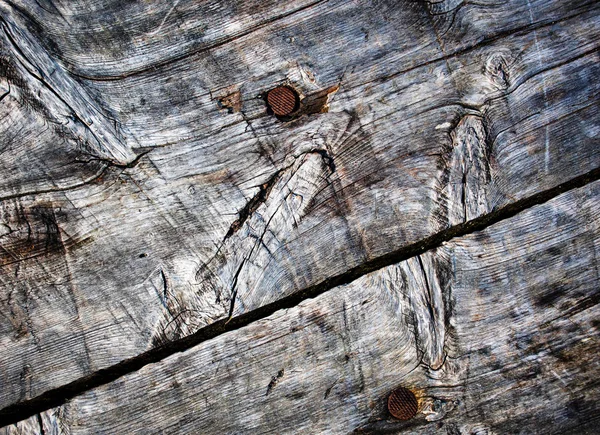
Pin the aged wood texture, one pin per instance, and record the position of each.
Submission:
(495, 332)
(147, 193)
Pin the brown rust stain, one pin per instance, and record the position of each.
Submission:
(287, 102)
(230, 100)
(283, 100)
(403, 404)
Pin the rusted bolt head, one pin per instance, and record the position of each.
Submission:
(282, 100)
(403, 404)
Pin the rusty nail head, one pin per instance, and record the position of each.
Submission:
(282, 100)
(403, 404)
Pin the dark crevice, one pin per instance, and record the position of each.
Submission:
(4, 95)
(274, 381)
(234, 288)
(259, 241)
(41, 424)
(132, 163)
(265, 189)
(464, 195)
(58, 396)
(429, 293)
(327, 159)
(129, 165)
(328, 390)
(165, 294)
(263, 152)
(252, 205)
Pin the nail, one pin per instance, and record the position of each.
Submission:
(403, 404)
(283, 100)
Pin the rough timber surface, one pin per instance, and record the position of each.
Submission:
(496, 332)
(146, 192)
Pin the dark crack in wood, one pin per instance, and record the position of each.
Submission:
(58, 396)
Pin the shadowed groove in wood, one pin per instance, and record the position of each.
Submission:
(58, 396)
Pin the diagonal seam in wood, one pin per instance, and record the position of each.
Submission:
(58, 396)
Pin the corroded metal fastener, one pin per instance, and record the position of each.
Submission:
(403, 404)
(282, 100)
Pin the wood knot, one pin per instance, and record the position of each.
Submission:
(496, 67)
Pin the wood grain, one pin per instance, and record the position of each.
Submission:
(495, 332)
(139, 205)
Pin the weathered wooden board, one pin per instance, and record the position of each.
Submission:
(136, 208)
(496, 332)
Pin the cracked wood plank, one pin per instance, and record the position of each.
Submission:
(495, 332)
(49, 422)
(151, 211)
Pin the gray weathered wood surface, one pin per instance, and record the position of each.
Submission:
(146, 192)
(496, 332)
